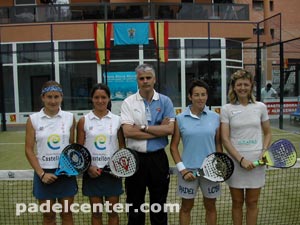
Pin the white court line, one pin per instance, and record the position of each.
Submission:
(11, 143)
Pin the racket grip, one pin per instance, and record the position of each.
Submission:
(257, 163)
(99, 171)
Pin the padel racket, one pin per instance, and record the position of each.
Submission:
(123, 163)
(217, 167)
(73, 160)
(281, 154)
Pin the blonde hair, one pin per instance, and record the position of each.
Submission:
(240, 74)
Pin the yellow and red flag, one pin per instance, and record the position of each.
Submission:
(102, 34)
(160, 33)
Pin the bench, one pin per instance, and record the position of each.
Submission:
(295, 115)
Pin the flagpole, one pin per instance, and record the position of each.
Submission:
(52, 75)
(158, 56)
(105, 55)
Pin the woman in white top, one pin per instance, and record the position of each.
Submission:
(51, 130)
(100, 132)
(246, 134)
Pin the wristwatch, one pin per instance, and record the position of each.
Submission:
(144, 127)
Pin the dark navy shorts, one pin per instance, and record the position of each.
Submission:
(105, 185)
(64, 186)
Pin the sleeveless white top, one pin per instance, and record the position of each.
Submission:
(101, 137)
(52, 135)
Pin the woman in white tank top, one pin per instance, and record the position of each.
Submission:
(100, 132)
(51, 130)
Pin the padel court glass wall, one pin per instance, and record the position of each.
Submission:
(26, 66)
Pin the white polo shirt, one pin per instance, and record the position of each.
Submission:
(133, 111)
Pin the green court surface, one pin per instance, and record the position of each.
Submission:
(278, 205)
(13, 157)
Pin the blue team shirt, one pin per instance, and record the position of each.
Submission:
(198, 136)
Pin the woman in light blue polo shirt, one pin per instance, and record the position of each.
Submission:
(199, 129)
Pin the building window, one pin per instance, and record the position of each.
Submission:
(210, 72)
(258, 5)
(77, 81)
(271, 6)
(30, 81)
(25, 2)
(169, 81)
(34, 52)
(119, 52)
(78, 71)
(261, 31)
(77, 51)
(6, 51)
(150, 51)
(199, 48)
(24, 11)
(233, 50)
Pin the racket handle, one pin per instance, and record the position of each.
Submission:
(198, 173)
(258, 163)
(99, 171)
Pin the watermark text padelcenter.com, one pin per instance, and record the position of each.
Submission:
(97, 207)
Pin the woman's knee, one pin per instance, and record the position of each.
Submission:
(49, 216)
(210, 204)
(187, 206)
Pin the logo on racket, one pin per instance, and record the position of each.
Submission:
(53, 141)
(124, 162)
(220, 167)
(76, 159)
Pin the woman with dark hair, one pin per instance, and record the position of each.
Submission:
(198, 127)
(51, 130)
(246, 134)
(100, 132)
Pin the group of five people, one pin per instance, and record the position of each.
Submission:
(147, 119)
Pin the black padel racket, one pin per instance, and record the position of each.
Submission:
(281, 154)
(123, 163)
(74, 160)
(217, 167)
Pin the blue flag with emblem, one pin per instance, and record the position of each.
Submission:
(131, 33)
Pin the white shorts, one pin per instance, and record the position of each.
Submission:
(189, 189)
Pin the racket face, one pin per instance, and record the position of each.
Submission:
(124, 163)
(75, 159)
(281, 154)
(217, 167)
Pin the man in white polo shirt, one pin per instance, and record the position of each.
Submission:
(147, 119)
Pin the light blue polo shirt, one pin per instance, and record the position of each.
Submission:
(198, 136)
(159, 109)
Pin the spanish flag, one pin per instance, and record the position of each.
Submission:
(160, 33)
(102, 34)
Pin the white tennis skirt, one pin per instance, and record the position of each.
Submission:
(242, 178)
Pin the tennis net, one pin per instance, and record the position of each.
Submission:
(279, 202)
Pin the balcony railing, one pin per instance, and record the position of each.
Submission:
(121, 11)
